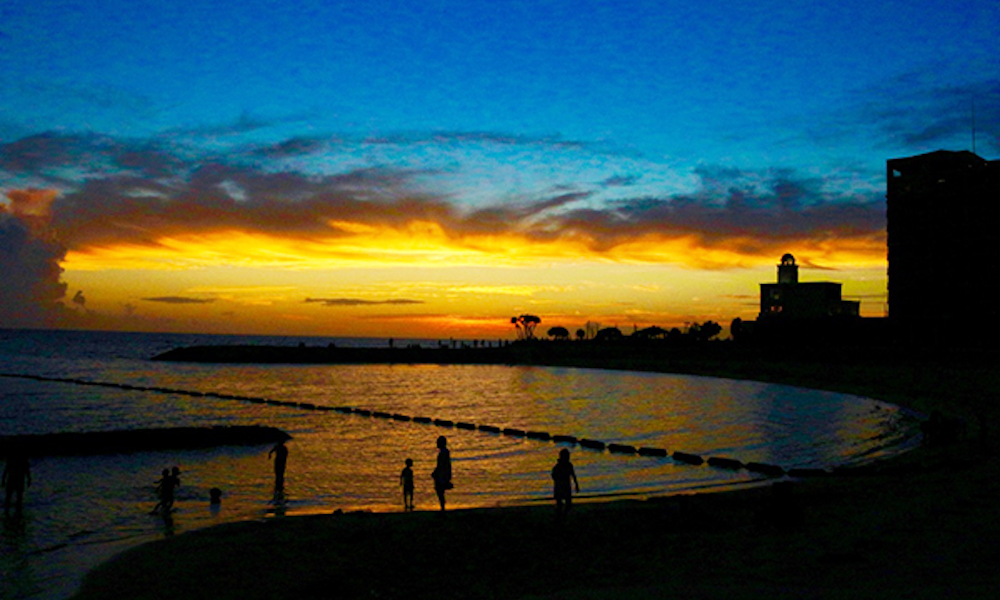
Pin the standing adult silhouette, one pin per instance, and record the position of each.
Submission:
(442, 472)
(280, 453)
(16, 477)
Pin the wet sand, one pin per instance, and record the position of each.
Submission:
(923, 525)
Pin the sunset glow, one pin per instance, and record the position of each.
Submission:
(336, 169)
(427, 244)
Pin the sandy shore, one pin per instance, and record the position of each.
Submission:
(923, 525)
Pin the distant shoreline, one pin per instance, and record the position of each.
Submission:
(897, 374)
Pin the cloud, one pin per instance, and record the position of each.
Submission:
(477, 137)
(61, 158)
(751, 214)
(30, 257)
(179, 300)
(737, 213)
(293, 147)
(358, 302)
(621, 181)
(246, 122)
(920, 112)
(152, 196)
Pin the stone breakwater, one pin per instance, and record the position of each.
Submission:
(140, 440)
(336, 355)
(108, 442)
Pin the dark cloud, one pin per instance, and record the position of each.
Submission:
(216, 196)
(294, 147)
(179, 300)
(477, 137)
(752, 215)
(29, 262)
(247, 122)
(747, 212)
(358, 302)
(49, 153)
(148, 160)
(141, 192)
(35, 153)
(918, 113)
(516, 217)
(621, 181)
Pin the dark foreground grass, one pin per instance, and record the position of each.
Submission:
(920, 526)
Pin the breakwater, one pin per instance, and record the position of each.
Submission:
(123, 441)
(139, 440)
(336, 355)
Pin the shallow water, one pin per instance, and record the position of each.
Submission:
(81, 510)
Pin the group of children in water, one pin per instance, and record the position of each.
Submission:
(563, 478)
(169, 481)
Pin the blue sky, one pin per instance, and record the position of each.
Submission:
(555, 114)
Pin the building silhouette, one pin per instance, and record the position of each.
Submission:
(792, 300)
(803, 312)
(943, 214)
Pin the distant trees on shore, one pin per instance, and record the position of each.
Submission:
(693, 333)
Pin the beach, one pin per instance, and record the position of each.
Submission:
(922, 525)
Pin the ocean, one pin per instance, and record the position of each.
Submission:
(80, 511)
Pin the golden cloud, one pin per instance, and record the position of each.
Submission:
(429, 244)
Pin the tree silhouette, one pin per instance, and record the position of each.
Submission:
(651, 333)
(525, 325)
(609, 334)
(559, 333)
(704, 331)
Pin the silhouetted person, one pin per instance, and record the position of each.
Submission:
(169, 487)
(163, 481)
(280, 452)
(442, 472)
(562, 475)
(214, 501)
(168, 482)
(16, 477)
(406, 480)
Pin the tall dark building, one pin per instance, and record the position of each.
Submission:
(944, 246)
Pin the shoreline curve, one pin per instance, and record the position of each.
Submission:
(920, 524)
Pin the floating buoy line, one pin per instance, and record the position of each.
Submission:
(732, 464)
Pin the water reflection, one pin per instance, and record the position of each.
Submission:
(349, 462)
(17, 577)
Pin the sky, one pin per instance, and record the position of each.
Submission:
(431, 169)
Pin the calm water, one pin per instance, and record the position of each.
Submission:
(82, 510)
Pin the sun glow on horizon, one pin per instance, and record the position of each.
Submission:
(424, 243)
(421, 280)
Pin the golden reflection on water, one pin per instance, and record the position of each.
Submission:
(350, 461)
(355, 460)
(346, 461)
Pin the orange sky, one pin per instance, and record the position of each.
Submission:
(223, 248)
(422, 280)
(432, 169)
